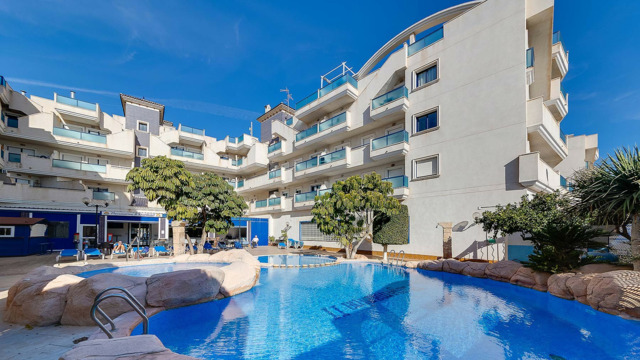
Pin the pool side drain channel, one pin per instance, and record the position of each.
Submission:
(349, 307)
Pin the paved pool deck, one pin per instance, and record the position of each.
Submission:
(50, 342)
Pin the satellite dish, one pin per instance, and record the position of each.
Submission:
(476, 215)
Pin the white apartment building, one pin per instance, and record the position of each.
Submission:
(460, 111)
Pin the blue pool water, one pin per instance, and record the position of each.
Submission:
(297, 260)
(366, 311)
(148, 270)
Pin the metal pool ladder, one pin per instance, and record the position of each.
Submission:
(392, 256)
(129, 298)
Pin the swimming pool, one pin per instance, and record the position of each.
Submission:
(296, 260)
(367, 311)
(148, 270)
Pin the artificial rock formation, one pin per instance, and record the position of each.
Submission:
(578, 286)
(239, 277)
(529, 278)
(184, 287)
(454, 266)
(502, 270)
(432, 265)
(557, 285)
(475, 269)
(615, 292)
(141, 347)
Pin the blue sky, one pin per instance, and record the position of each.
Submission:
(216, 64)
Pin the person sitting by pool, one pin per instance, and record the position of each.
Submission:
(119, 247)
(254, 241)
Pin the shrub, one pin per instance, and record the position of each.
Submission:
(391, 229)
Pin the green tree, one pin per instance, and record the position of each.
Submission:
(215, 203)
(391, 229)
(610, 193)
(165, 181)
(347, 212)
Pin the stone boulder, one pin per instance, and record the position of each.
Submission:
(454, 266)
(233, 256)
(184, 287)
(615, 292)
(529, 278)
(557, 285)
(601, 268)
(193, 258)
(238, 278)
(475, 269)
(81, 296)
(431, 265)
(578, 286)
(181, 258)
(502, 270)
(39, 303)
(411, 264)
(131, 347)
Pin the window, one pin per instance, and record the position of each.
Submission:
(285, 194)
(425, 167)
(97, 161)
(14, 157)
(70, 157)
(15, 153)
(426, 76)
(310, 232)
(289, 121)
(23, 181)
(143, 126)
(6, 231)
(315, 187)
(426, 121)
(58, 229)
(12, 121)
(142, 152)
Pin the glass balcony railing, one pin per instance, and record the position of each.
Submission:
(261, 203)
(240, 183)
(73, 165)
(104, 195)
(235, 162)
(329, 123)
(313, 162)
(346, 78)
(558, 39)
(187, 154)
(398, 181)
(563, 137)
(331, 157)
(189, 129)
(391, 139)
(308, 132)
(308, 196)
(274, 147)
(393, 95)
(77, 103)
(431, 38)
(323, 191)
(563, 182)
(530, 58)
(563, 92)
(275, 201)
(80, 135)
(275, 174)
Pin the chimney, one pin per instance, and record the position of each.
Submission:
(73, 94)
(267, 108)
(24, 93)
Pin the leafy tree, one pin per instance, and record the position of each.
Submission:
(558, 245)
(347, 212)
(526, 217)
(610, 193)
(391, 229)
(214, 204)
(165, 181)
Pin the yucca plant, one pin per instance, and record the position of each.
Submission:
(610, 194)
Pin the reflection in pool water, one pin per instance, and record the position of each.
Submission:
(366, 311)
(296, 260)
(148, 270)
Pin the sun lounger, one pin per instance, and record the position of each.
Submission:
(143, 250)
(118, 253)
(68, 253)
(238, 245)
(160, 250)
(282, 245)
(92, 252)
(222, 246)
(296, 244)
(207, 247)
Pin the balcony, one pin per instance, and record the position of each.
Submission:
(537, 175)
(187, 154)
(191, 136)
(558, 102)
(5, 92)
(342, 91)
(327, 164)
(241, 144)
(560, 57)
(77, 110)
(392, 145)
(426, 41)
(274, 147)
(268, 205)
(400, 186)
(390, 106)
(266, 181)
(66, 169)
(73, 134)
(323, 131)
(104, 195)
(544, 133)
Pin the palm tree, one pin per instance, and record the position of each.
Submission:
(610, 194)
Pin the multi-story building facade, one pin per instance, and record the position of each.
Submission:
(460, 112)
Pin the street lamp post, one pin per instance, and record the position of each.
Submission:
(89, 203)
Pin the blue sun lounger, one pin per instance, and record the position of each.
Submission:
(118, 253)
(159, 250)
(92, 252)
(68, 253)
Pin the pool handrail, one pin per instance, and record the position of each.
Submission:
(129, 298)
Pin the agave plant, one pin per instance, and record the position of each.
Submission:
(610, 194)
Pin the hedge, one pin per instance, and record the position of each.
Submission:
(392, 230)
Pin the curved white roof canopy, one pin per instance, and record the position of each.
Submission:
(422, 25)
